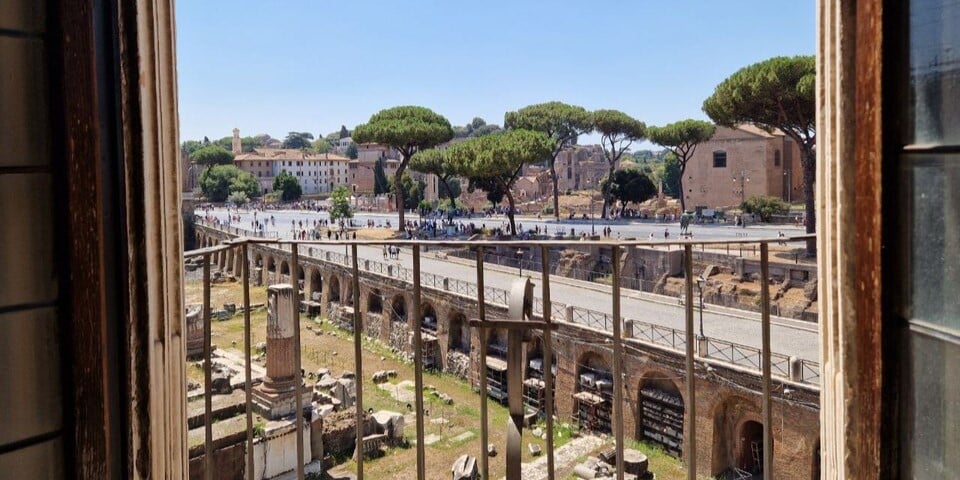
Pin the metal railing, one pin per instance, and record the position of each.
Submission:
(761, 359)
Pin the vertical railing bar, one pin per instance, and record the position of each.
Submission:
(248, 383)
(298, 398)
(482, 317)
(418, 362)
(765, 335)
(690, 407)
(207, 376)
(617, 362)
(547, 356)
(357, 359)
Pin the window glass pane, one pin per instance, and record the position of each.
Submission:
(931, 239)
(930, 435)
(934, 72)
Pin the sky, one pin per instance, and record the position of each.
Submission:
(275, 67)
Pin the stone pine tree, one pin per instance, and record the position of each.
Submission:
(559, 121)
(775, 94)
(681, 138)
(628, 186)
(408, 129)
(498, 159)
(617, 132)
(435, 162)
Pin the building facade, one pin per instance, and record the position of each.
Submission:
(317, 173)
(742, 162)
(361, 173)
(579, 167)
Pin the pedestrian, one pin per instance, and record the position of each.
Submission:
(384, 252)
(666, 234)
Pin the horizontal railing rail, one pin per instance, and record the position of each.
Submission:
(679, 340)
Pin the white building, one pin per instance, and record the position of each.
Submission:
(317, 173)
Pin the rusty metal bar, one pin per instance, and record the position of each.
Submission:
(418, 363)
(207, 376)
(295, 282)
(248, 383)
(765, 360)
(547, 356)
(482, 314)
(358, 359)
(617, 362)
(690, 404)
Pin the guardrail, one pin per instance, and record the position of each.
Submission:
(762, 359)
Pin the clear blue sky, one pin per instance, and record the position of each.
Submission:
(273, 67)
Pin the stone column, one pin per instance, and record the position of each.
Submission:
(276, 396)
(281, 370)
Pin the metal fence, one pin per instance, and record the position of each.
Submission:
(761, 359)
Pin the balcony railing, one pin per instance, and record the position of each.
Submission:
(684, 341)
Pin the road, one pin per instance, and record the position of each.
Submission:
(788, 336)
(282, 224)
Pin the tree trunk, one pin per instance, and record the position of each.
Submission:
(809, 163)
(623, 209)
(683, 204)
(607, 198)
(398, 191)
(556, 189)
(513, 227)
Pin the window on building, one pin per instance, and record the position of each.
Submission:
(776, 158)
(719, 159)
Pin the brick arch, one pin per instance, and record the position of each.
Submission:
(271, 264)
(347, 296)
(729, 416)
(535, 351)
(429, 321)
(458, 332)
(594, 392)
(497, 343)
(334, 286)
(284, 267)
(661, 411)
(315, 283)
(375, 301)
(257, 260)
(398, 309)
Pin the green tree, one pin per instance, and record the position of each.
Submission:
(485, 130)
(245, 183)
(212, 155)
(380, 183)
(219, 181)
(476, 123)
(333, 138)
(681, 138)
(287, 185)
(340, 204)
(628, 186)
(298, 140)
(412, 190)
(238, 198)
(500, 158)
(344, 133)
(559, 121)
(409, 129)
(352, 152)
(671, 176)
(321, 146)
(764, 206)
(775, 94)
(438, 163)
(190, 146)
(617, 132)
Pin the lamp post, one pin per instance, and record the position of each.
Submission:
(743, 178)
(520, 260)
(700, 284)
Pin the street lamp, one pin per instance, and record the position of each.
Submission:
(701, 282)
(520, 260)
